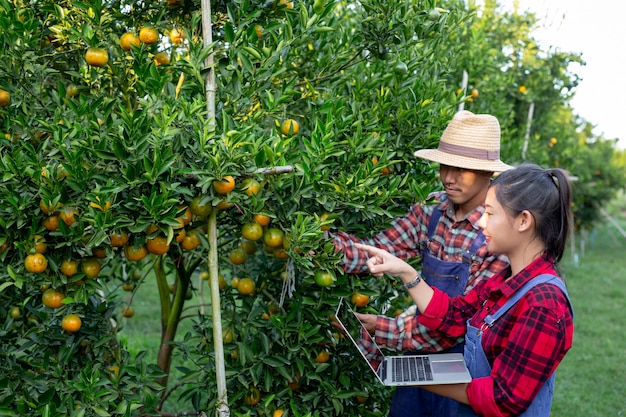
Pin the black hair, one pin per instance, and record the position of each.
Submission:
(546, 194)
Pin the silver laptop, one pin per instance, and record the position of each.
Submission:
(429, 369)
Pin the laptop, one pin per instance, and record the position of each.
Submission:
(428, 369)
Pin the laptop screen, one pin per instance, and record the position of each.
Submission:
(357, 333)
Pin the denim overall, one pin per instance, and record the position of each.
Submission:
(478, 364)
(450, 277)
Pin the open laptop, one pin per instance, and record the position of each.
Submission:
(429, 369)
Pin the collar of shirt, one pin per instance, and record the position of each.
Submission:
(472, 217)
(508, 285)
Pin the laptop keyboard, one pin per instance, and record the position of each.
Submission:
(411, 368)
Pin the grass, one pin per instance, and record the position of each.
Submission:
(590, 381)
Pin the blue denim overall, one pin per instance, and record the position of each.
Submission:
(450, 277)
(479, 366)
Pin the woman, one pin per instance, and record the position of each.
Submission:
(517, 329)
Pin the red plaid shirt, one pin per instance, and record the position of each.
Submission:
(451, 240)
(524, 347)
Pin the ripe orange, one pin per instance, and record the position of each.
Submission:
(129, 39)
(158, 245)
(47, 207)
(360, 300)
(5, 98)
(71, 323)
(185, 215)
(68, 215)
(322, 357)
(251, 186)
(553, 141)
(128, 286)
(135, 253)
(161, 58)
(289, 127)
(234, 282)
(238, 256)
(118, 238)
(148, 35)
(258, 30)
(35, 263)
(253, 396)
(128, 312)
(51, 223)
(177, 36)
(262, 219)
(190, 241)
(278, 413)
(223, 205)
(99, 253)
(97, 57)
(225, 186)
(273, 237)
(324, 278)
(246, 286)
(280, 253)
(252, 231)
(474, 93)
(40, 244)
(90, 267)
(52, 298)
(69, 267)
(199, 207)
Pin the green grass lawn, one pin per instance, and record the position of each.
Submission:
(590, 382)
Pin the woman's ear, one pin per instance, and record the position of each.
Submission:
(526, 221)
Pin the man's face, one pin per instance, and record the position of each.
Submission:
(464, 187)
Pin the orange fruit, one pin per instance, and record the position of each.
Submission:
(324, 278)
(258, 30)
(90, 267)
(225, 186)
(228, 335)
(99, 253)
(51, 223)
(71, 323)
(186, 215)
(223, 205)
(96, 57)
(253, 396)
(68, 215)
(289, 127)
(360, 300)
(251, 186)
(35, 263)
(246, 286)
(52, 298)
(322, 357)
(161, 58)
(5, 98)
(115, 371)
(40, 244)
(234, 282)
(250, 247)
(237, 256)
(199, 207)
(118, 238)
(190, 241)
(128, 286)
(135, 253)
(15, 312)
(475, 93)
(252, 231)
(148, 35)
(128, 312)
(177, 36)
(129, 39)
(262, 219)
(158, 245)
(281, 253)
(273, 237)
(47, 207)
(69, 267)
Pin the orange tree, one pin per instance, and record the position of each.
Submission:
(113, 159)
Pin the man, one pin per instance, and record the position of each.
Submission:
(448, 240)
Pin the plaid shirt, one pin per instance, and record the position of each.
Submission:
(451, 240)
(524, 347)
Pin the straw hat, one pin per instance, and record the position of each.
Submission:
(470, 141)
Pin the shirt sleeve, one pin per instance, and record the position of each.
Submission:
(405, 333)
(401, 239)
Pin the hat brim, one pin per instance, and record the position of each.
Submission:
(457, 161)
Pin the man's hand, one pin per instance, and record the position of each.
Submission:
(368, 320)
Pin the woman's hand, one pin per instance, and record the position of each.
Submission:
(382, 262)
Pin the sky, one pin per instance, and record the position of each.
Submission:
(596, 29)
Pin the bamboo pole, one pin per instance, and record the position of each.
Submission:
(222, 409)
(529, 121)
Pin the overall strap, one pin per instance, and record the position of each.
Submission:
(434, 219)
(476, 244)
(490, 319)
